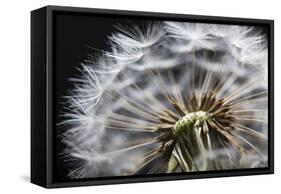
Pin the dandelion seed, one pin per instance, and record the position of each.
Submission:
(245, 44)
(195, 34)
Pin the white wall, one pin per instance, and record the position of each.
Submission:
(15, 94)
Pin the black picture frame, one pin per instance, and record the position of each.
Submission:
(43, 89)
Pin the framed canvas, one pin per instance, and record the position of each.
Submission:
(124, 96)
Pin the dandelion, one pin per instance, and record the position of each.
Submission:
(194, 34)
(147, 108)
(245, 44)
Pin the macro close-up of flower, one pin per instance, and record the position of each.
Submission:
(169, 97)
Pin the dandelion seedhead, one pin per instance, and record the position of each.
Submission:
(169, 97)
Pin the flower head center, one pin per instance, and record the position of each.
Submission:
(188, 121)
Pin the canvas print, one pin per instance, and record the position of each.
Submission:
(141, 97)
